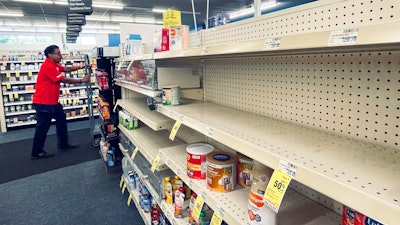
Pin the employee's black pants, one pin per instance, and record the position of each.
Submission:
(44, 115)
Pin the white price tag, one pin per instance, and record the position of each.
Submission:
(287, 167)
(205, 50)
(209, 132)
(272, 44)
(343, 37)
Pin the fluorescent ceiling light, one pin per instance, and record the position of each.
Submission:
(44, 25)
(107, 6)
(122, 20)
(158, 10)
(61, 2)
(36, 1)
(18, 24)
(249, 11)
(97, 18)
(11, 14)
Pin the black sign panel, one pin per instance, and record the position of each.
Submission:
(74, 28)
(76, 19)
(72, 34)
(80, 6)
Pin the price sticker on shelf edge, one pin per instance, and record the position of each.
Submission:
(276, 189)
(8, 74)
(174, 130)
(198, 205)
(8, 86)
(17, 74)
(343, 37)
(16, 96)
(155, 163)
(121, 182)
(30, 73)
(216, 219)
(129, 200)
(134, 153)
(272, 44)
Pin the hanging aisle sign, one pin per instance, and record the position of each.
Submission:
(75, 19)
(74, 28)
(80, 6)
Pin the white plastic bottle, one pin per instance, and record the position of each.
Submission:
(259, 213)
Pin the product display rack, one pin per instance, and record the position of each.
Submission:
(167, 209)
(18, 86)
(297, 111)
(149, 142)
(140, 110)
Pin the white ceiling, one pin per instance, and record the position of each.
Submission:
(52, 17)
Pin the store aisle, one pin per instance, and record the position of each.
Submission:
(80, 194)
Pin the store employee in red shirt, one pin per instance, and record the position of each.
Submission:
(45, 101)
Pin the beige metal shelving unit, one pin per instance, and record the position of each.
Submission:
(283, 86)
(149, 142)
(140, 110)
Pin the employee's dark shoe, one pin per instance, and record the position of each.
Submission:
(67, 147)
(42, 155)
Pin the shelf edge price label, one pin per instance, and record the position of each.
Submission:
(276, 189)
(17, 74)
(287, 167)
(8, 86)
(343, 37)
(272, 44)
(155, 163)
(198, 206)
(134, 153)
(216, 219)
(8, 74)
(174, 130)
(30, 73)
(129, 200)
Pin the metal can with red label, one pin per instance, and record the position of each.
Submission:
(196, 160)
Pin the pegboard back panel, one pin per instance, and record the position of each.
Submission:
(354, 94)
(313, 17)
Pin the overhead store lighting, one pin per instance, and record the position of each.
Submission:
(122, 20)
(11, 14)
(107, 6)
(61, 2)
(91, 18)
(36, 1)
(246, 12)
(158, 10)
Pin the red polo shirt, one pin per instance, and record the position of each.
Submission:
(48, 83)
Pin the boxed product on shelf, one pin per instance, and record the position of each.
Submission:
(178, 37)
(149, 75)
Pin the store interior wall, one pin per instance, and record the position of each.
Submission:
(146, 31)
(27, 49)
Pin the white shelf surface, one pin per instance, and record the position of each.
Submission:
(168, 209)
(234, 204)
(22, 61)
(367, 36)
(138, 107)
(18, 71)
(149, 142)
(20, 112)
(34, 121)
(332, 165)
(135, 198)
(137, 88)
(17, 103)
(19, 92)
(19, 82)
